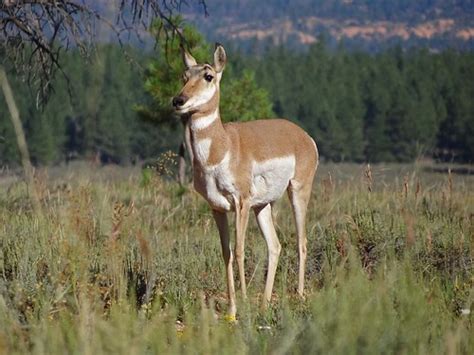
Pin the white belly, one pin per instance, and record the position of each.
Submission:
(270, 179)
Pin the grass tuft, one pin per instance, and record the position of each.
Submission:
(127, 262)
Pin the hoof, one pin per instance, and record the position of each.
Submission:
(230, 318)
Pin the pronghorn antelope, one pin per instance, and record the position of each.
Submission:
(243, 166)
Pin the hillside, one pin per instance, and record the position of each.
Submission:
(363, 24)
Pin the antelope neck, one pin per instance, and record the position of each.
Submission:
(208, 137)
(203, 120)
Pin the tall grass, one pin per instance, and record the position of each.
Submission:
(124, 263)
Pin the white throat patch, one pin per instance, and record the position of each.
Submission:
(204, 121)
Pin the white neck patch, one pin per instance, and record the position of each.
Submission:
(200, 123)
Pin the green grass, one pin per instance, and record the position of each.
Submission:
(124, 263)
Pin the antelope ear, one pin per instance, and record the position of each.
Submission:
(188, 59)
(220, 58)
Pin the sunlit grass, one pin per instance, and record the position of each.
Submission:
(119, 264)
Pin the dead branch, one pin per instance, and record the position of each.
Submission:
(34, 33)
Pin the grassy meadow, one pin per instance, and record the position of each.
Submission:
(127, 262)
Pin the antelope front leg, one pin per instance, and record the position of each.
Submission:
(222, 225)
(187, 140)
(241, 219)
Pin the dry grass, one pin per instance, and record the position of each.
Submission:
(127, 262)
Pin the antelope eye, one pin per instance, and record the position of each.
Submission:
(208, 77)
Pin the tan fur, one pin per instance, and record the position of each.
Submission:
(258, 141)
(224, 176)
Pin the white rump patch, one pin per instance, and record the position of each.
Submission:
(270, 179)
(204, 121)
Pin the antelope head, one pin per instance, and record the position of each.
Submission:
(200, 92)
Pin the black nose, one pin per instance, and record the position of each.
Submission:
(179, 100)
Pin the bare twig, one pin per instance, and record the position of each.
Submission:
(33, 33)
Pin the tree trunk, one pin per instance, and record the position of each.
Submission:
(21, 141)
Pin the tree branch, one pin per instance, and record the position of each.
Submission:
(52, 25)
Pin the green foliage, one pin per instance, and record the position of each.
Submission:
(90, 116)
(164, 75)
(456, 134)
(116, 267)
(241, 98)
(392, 106)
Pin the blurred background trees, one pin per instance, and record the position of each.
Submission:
(391, 106)
(396, 104)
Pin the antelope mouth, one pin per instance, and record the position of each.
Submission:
(181, 110)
